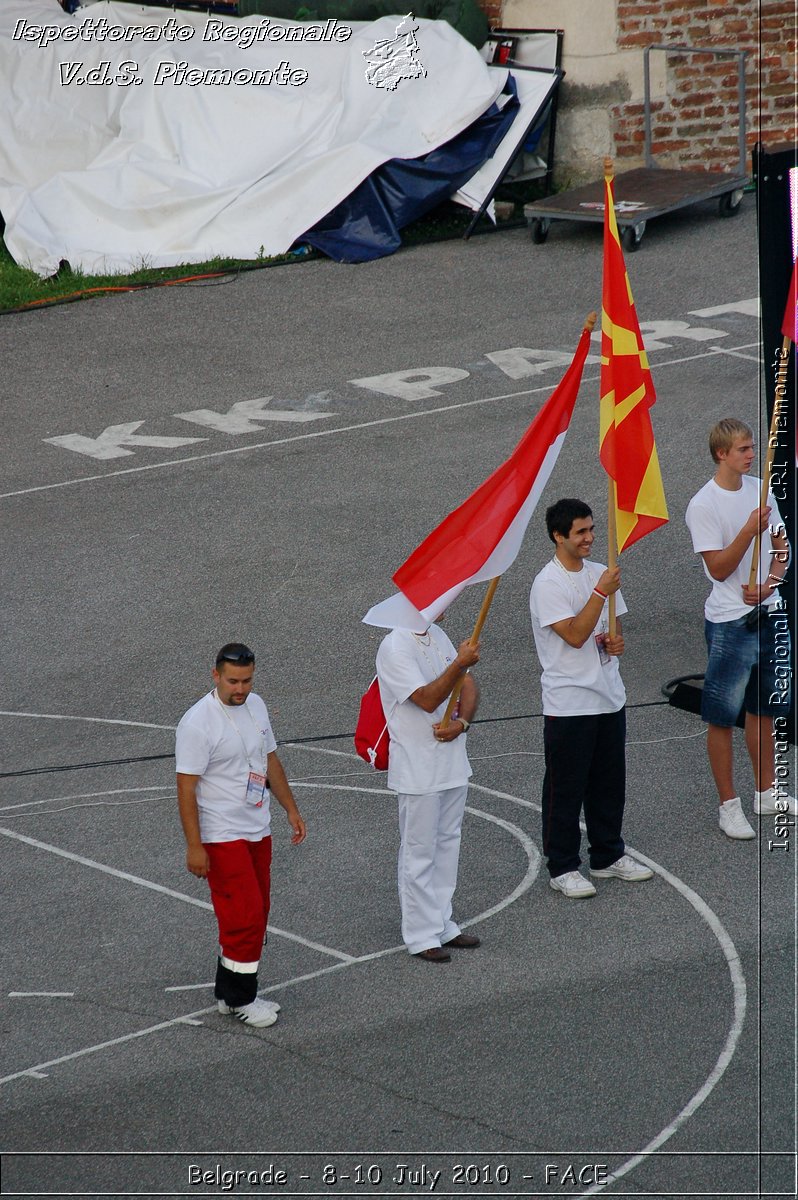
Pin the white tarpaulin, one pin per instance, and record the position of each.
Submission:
(135, 148)
(533, 90)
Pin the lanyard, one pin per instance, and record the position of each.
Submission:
(240, 734)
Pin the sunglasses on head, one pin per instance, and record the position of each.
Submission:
(242, 657)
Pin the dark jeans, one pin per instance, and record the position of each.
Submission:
(585, 768)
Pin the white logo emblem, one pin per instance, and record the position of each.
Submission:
(390, 60)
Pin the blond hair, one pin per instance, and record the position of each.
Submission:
(723, 435)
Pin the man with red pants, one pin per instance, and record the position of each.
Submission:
(227, 771)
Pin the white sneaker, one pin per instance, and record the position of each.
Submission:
(732, 820)
(624, 868)
(767, 806)
(573, 885)
(259, 1012)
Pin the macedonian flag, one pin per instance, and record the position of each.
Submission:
(626, 442)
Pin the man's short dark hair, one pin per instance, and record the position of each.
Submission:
(561, 516)
(235, 653)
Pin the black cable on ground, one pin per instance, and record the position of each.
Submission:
(669, 688)
(323, 737)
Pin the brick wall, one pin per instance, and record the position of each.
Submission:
(493, 11)
(696, 122)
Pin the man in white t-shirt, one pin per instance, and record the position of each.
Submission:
(429, 770)
(227, 770)
(584, 730)
(746, 628)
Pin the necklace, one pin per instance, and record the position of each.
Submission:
(429, 644)
(237, 728)
(582, 594)
(569, 575)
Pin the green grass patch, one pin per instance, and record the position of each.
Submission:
(22, 289)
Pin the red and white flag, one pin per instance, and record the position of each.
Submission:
(790, 322)
(789, 327)
(481, 538)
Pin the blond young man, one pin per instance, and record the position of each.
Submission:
(724, 518)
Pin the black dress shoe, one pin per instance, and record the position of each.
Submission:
(434, 954)
(464, 941)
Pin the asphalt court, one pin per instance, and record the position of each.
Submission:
(643, 1039)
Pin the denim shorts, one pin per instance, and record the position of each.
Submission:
(747, 668)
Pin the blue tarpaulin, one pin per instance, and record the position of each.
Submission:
(367, 224)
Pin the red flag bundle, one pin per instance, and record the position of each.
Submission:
(481, 538)
(789, 326)
(626, 441)
(790, 322)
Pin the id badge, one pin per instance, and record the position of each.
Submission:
(604, 658)
(256, 789)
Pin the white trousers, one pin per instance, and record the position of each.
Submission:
(429, 851)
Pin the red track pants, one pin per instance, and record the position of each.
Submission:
(239, 879)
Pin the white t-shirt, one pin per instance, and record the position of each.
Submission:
(714, 517)
(222, 743)
(417, 763)
(574, 681)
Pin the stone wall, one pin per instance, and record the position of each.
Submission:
(694, 97)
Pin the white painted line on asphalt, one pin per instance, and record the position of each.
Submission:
(757, 358)
(157, 887)
(93, 720)
(324, 433)
(739, 1000)
(38, 1072)
(739, 989)
(532, 853)
(727, 1053)
(531, 874)
(533, 863)
(23, 995)
(342, 787)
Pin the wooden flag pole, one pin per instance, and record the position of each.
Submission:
(612, 535)
(590, 321)
(763, 498)
(483, 613)
(612, 546)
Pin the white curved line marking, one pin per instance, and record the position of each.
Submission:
(157, 887)
(38, 1071)
(700, 906)
(727, 1053)
(739, 993)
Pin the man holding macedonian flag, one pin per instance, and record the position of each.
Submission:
(584, 731)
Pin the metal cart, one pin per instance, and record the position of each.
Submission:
(650, 191)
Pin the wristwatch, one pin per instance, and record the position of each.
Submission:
(466, 724)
